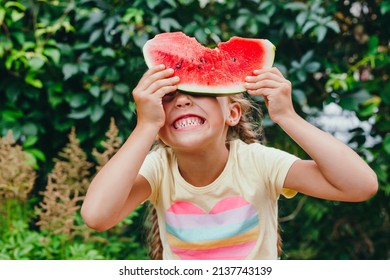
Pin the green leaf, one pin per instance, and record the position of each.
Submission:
(172, 3)
(306, 57)
(241, 21)
(82, 114)
(301, 18)
(77, 100)
(385, 94)
(2, 15)
(95, 35)
(334, 26)
(83, 67)
(95, 91)
(97, 112)
(31, 140)
(15, 4)
(112, 74)
(106, 97)
(36, 153)
(308, 25)
(140, 39)
(295, 6)
(36, 63)
(289, 28)
(385, 7)
(321, 32)
(53, 54)
(69, 70)
(299, 97)
(30, 129)
(263, 19)
(152, 3)
(312, 67)
(122, 88)
(386, 144)
(352, 101)
(167, 24)
(108, 52)
(11, 115)
(31, 80)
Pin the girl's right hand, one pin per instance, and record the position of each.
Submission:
(154, 84)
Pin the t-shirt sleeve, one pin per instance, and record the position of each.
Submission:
(151, 171)
(274, 164)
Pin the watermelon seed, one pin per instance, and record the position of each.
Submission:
(199, 67)
(178, 66)
(234, 59)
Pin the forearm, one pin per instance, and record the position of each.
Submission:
(339, 164)
(111, 187)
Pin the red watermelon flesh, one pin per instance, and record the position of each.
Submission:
(202, 70)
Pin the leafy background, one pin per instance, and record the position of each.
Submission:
(67, 69)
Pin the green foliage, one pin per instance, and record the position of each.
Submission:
(74, 63)
(61, 233)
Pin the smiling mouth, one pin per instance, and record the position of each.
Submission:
(189, 121)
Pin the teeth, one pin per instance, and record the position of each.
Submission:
(187, 122)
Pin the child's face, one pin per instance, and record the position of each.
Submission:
(193, 122)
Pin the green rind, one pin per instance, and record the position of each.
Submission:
(205, 94)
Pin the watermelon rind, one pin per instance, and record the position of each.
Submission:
(180, 46)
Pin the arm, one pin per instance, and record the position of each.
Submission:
(335, 172)
(118, 189)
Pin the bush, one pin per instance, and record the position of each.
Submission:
(68, 64)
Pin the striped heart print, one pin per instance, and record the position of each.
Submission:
(228, 231)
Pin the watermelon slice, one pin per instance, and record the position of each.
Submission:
(209, 71)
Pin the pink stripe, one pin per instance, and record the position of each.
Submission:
(228, 204)
(235, 252)
(228, 217)
(183, 207)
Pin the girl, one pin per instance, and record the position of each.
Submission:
(214, 188)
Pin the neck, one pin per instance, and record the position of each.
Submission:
(202, 167)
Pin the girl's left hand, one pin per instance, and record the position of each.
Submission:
(275, 89)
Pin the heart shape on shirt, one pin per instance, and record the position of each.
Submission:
(228, 231)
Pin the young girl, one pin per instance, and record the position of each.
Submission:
(214, 188)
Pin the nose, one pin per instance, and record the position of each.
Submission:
(183, 100)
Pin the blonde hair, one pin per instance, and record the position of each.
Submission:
(249, 130)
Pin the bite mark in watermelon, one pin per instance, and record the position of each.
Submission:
(202, 70)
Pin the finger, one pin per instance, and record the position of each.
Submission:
(265, 76)
(167, 82)
(272, 70)
(161, 92)
(258, 92)
(156, 74)
(151, 71)
(263, 84)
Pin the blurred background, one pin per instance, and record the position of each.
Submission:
(67, 70)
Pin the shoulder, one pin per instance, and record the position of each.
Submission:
(162, 154)
(241, 147)
(262, 156)
(156, 161)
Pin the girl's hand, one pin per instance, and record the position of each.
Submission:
(276, 91)
(154, 84)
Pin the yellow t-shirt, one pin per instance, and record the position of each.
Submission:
(234, 217)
